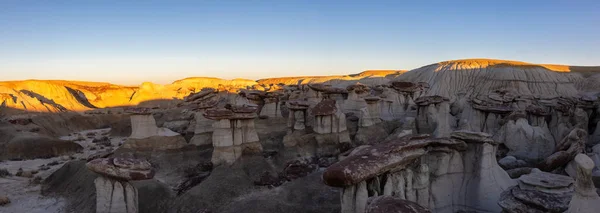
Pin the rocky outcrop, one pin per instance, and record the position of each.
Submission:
(205, 99)
(433, 116)
(114, 193)
(234, 133)
(538, 192)
(330, 126)
(145, 136)
(585, 199)
(371, 114)
(446, 175)
(566, 150)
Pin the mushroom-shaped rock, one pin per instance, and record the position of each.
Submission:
(404, 86)
(537, 110)
(114, 193)
(585, 199)
(473, 137)
(358, 88)
(428, 100)
(122, 168)
(381, 157)
(298, 105)
(325, 107)
(390, 204)
(218, 114)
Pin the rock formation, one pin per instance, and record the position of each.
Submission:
(538, 192)
(446, 175)
(145, 136)
(330, 126)
(234, 133)
(585, 198)
(201, 101)
(114, 193)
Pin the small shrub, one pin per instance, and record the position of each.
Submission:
(4, 173)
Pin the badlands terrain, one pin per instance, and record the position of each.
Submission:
(475, 135)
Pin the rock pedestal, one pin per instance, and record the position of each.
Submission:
(433, 116)
(585, 199)
(114, 193)
(234, 133)
(371, 114)
(330, 126)
(145, 136)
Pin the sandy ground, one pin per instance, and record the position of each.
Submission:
(25, 196)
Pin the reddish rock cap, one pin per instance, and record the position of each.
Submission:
(325, 107)
(122, 168)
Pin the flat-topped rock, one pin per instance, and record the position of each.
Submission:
(428, 100)
(298, 105)
(493, 108)
(379, 158)
(372, 99)
(122, 169)
(537, 110)
(218, 114)
(390, 204)
(243, 109)
(137, 110)
(358, 88)
(132, 163)
(473, 137)
(546, 180)
(325, 107)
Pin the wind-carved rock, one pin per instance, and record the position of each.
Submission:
(371, 114)
(146, 136)
(234, 133)
(205, 99)
(538, 192)
(433, 116)
(330, 126)
(272, 105)
(444, 174)
(399, 98)
(114, 193)
(525, 142)
(566, 150)
(585, 199)
(356, 101)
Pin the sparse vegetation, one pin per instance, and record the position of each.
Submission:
(4, 173)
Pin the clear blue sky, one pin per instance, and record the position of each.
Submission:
(128, 42)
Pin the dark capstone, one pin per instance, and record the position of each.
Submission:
(325, 107)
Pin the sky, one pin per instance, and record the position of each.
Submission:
(129, 42)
